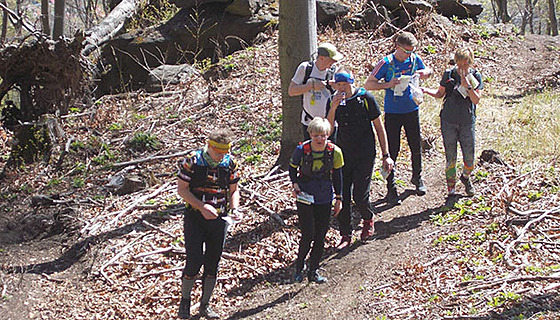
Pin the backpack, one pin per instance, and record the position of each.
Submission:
(306, 167)
(390, 59)
(200, 172)
(356, 118)
(330, 74)
(453, 79)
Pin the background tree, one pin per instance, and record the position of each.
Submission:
(527, 16)
(4, 23)
(58, 27)
(297, 40)
(500, 8)
(45, 17)
(552, 18)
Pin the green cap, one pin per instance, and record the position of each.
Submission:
(329, 50)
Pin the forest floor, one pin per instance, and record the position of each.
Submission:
(69, 249)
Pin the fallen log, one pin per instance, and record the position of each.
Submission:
(110, 26)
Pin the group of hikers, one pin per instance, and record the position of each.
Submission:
(333, 165)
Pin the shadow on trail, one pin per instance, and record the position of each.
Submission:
(382, 205)
(77, 251)
(532, 305)
(239, 241)
(406, 223)
(249, 312)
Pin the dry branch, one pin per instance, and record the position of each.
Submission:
(120, 254)
(159, 272)
(15, 17)
(511, 280)
(164, 188)
(154, 158)
(507, 184)
(511, 245)
(167, 233)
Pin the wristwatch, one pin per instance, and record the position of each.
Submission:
(469, 88)
(385, 156)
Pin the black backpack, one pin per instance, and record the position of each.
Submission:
(307, 75)
(330, 74)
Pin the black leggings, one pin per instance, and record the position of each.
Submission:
(356, 178)
(394, 122)
(313, 223)
(198, 231)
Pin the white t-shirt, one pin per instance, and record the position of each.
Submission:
(314, 102)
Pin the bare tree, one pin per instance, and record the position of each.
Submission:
(552, 18)
(527, 17)
(19, 21)
(297, 39)
(4, 23)
(45, 17)
(58, 27)
(501, 15)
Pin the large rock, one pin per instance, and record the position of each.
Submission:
(165, 75)
(192, 34)
(244, 7)
(194, 3)
(400, 12)
(397, 12)
(461, 9)
(328, 12)
(412, 6)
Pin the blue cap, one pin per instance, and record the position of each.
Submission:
(343, 77)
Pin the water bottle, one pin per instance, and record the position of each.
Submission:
(343, 101)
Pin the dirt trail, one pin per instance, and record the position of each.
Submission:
(357, 275)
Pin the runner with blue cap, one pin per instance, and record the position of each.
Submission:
(356, 138)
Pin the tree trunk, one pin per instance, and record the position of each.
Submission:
(111, 25)
(502, 13)
(19, 21)
(525, 17)
(88, 14)
(58, 27)
(552, 18)
(297, 40)
(45, 17)
(4, 23)
(532, 16)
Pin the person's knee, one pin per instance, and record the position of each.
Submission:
(363, 207)
(190, 272)
(187, 277)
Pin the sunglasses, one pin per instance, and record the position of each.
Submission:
(406, 51)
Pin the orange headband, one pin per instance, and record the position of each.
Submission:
(220, 147)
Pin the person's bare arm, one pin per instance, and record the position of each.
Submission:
(335, 102)
(208, 211)
(383, 144)
(234, 196)
(372, 83)
(299, 89)
(436, 93)
(311, 85)
(474, 95)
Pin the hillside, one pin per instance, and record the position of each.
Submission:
(69, 249)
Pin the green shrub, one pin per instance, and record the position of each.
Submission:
(143, 141)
